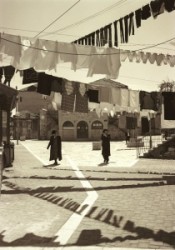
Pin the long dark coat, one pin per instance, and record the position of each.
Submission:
(55, 148)
(105, 146)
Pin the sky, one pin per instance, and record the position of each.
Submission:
(68, 20)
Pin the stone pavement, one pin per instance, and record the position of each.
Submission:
(83, 204)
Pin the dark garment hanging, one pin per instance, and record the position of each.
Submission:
(56, 84)
(122, 35)
(81, 100)
(44, 84)
(157, 7)
(169, 5)
(169, 105)
(86, 40)
(115, 34)
(126, 29)
(93, 95)
(108, 35)
(68, 96)
(150, 101)
(131, 24)
(29, 76)
(131, 122)
(81, 104)
(93, 38)
(102, 37)
(138, 17)
(89, 40)
(9, 72)
(146, 12)
(97, 38)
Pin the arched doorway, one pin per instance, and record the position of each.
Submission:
(68, 131)
(82, 130)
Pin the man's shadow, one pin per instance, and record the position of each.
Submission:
(103, 164)
(51, 165)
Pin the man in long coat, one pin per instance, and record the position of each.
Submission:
(55, 147)
(105, 145)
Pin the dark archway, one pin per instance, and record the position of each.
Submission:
(82, 130)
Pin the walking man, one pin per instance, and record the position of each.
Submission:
(105, 145)
(55, 147)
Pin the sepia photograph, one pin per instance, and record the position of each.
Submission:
(87, 124)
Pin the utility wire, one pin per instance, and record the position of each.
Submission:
(89, 17)
(57, 18)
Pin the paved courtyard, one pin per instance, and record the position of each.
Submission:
(84, 204)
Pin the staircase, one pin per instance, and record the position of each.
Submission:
(165, 150)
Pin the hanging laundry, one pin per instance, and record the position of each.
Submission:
(131, 55)
(102, 37)
(150, 101)
(159, 59)
(97, 37)
(81, 101)
(68, 53)
(169, 5)
(56, 100)
(138, 17)
(146, 12)
(44, 84)
(123, 55)
(134, 99)
(115, 96)
(28, 54)
(152, 57)
(9, 72)
(131, 23)
(171, 60)
(9, 45)
(126, 35)
(115, 34)
(106, 61)
(131, 122)
(105, 94)
(124, 97)
(169, 105)
(138, 56)
(68, 96)
(122, 34)
(46, 55)
(157, 7)
(129, 26)
(83, 61)
(29, 76)
(56, 83)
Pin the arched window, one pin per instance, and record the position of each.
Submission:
(68, 124)
(97, 125)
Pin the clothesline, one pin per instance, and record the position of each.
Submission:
(124, 27)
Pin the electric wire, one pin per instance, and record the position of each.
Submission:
(57, 19)
(88, 18)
